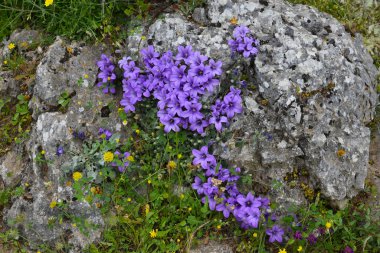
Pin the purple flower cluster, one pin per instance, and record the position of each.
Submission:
(122, 162)
(104, 134)
(178, 82)
(243, 42)
(219, 189)
(106, 75)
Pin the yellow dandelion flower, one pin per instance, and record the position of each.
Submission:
(282, 251)
(77, 175)
(53, 204)
(340, 152)
(24, 44)
(108, 156)
(93, 190)
(171, 165)
(5, 62)
(137, 131)
(43, 152)
(131, 158)
(254, 235)
(153, 233)
(85, 76)
(234, 21)
(129, 199)
(48, 2)
(299, 248)
(328, 225)
(218, 227)
(11, 46)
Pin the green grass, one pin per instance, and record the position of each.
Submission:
(79, 19)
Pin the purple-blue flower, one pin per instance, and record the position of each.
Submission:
(275, 233)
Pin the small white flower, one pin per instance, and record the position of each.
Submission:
(81, 109)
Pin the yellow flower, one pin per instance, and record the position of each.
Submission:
(109, 78)
(108, 156)
(11, 46)
(24, 44)
(93, 190)
(179, 156)
(85, 76)
(5, 62)
(77, 175)
(48, 2)
(53, 204)
(153, 233)
(218, 227)
(131, 158)
(74, 225)
(178, 240)
(171, 165)
(43, 152)
(189, 209)
(181, 196)
(254, 235)
(117, 140)
(125, 122)
(147, 209)
(129, 199)
(282, 251)
(299, 248)
(137, 131)
(234, 21)
(149, 181)
(340, 153)
(328, 225)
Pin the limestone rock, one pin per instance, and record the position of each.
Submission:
(11, 169)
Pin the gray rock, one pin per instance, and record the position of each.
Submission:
(213, 247)
(11, 169)
(59, 71)
(53, 129)
(318, 80)
(200, 16)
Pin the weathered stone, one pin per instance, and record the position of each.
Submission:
(319, 83)
(200, 16)
(213, 247)
(11, 169)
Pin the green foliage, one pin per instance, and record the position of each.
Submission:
(73, 19)
(15, 121)
(64, 99)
